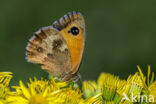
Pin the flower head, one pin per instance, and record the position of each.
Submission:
(37, 92)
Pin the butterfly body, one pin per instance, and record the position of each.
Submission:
(58, 48)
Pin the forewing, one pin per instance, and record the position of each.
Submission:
(75, 42)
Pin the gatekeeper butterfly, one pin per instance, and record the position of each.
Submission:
(58, 48)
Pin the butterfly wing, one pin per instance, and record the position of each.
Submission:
(72, 27)
(49, 49)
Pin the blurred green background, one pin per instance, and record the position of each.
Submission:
(120, 35)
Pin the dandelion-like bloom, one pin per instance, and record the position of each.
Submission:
(5, 78)
(37, 92)
(48, 92)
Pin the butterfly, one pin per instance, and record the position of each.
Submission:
(58, 48)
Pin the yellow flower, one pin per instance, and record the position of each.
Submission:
(38, 92)
(111, 87)
(122, 88)
(136, 85)
(150, 87)
(45, 92)
(108, 84)
(5, 78)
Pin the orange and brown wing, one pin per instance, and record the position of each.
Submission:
(72, 27)
(49, 49)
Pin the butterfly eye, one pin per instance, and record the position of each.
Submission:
(74, 30)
